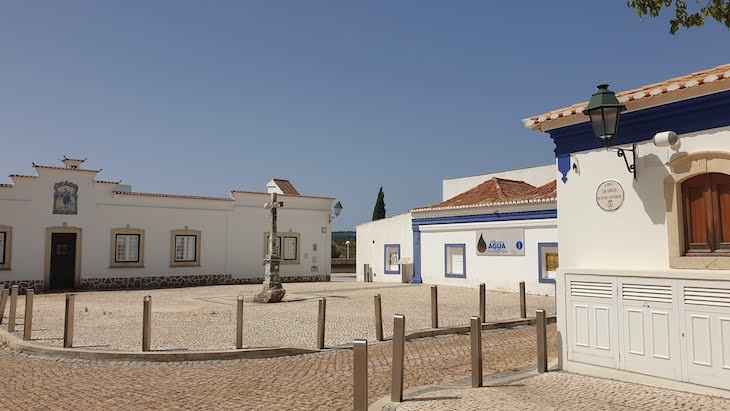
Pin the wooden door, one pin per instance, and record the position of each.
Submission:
(63, 260)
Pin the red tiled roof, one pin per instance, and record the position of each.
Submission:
(498, 191)
(705, 81)
(286, 187)
(181, 196)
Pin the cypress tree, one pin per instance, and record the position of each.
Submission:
(379, 210)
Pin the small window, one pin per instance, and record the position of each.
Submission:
(291, 249)
(706, 201)
(455, 260)
(6, 240)
(185, 248)
(127, 250)
(286, 246)
(392, 256)
(548, 263)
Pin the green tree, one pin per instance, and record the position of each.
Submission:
(718, 10)
(379, 210)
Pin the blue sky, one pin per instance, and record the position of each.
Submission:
(340, 97)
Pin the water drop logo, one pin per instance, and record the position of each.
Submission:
(481, 244)
(519, 245)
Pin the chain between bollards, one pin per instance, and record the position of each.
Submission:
(68, 322)
(378, 317)
(434, 307)
(239, 322)
(28, 320)
(360, 375)
(541, 324)
(523, 301)
(399, 346)
(476, 352)
(13, 308)
(321, 319)
(146, 322)
(3, 303)
(483, 302)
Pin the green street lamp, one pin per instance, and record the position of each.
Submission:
(604, 111)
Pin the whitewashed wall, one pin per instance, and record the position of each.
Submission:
(232, 231)
(371, 240)
(497, 272)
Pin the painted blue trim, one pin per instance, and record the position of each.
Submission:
(540, 279)
(416, 279)
(564, 167)
(385, 259)
(483, 218)
(687, 116)
(446, 260)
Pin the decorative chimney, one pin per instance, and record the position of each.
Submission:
(72, 163)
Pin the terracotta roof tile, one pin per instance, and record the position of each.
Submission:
(498, 191)
(286, 187)
(719, 75)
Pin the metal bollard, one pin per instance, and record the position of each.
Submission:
(28, 320)
(476, 352)
(541, 323)
(146, 322)
(483, 302)
(378, 318)
(399, 346)
(13, 308)
(434, 307)
(523, 301)
(68, 322)
(239, 322)
(3, 303)
(360, 375)
(321, 322)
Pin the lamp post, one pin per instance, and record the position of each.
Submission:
(604, 110)
(347, 243)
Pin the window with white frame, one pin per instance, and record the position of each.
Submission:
(185, 248)
(392, 255)
(286, 246)
(455, 264)
(127, 248)
(290, 249)
(548, 263)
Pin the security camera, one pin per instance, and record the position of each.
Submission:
(666, 139)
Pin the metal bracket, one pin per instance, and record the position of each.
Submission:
(621, 152)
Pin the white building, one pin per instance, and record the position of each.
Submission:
(490, 228)
(644, 277)
(63, 228)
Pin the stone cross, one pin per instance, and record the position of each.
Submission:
(273, 291)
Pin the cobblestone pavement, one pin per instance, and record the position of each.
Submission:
(559, 391)
(200, 318)
(312, 381)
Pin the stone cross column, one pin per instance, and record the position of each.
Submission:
(273, 291)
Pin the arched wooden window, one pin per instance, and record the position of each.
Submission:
(706, 200)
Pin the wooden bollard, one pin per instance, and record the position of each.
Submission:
(321, 319)
(13, 308)
(360, 375)
(483, 302)
(399, 346)
(476, 352)
(434, 307)
(523, 301)
(378, 317)
(541, 324)
(68, 322)
(28, 320)
(239, 322)
(3, 303)
(146, 322)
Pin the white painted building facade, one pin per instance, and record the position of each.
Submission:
(644, 281)
(440, 244)
(63, 228)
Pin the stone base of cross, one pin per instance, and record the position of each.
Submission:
(273, 291)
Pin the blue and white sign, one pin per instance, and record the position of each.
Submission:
(501, 241)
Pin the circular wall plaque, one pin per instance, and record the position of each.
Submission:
(610, 195)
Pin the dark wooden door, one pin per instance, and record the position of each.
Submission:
(63, 260)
